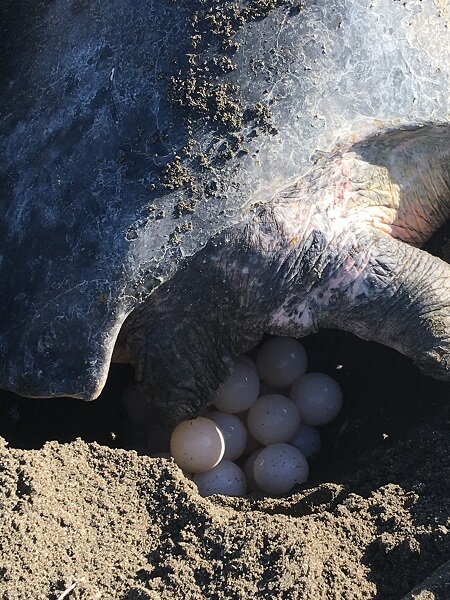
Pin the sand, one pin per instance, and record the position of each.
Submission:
(91, 520)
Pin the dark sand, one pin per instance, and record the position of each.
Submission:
(372, 522)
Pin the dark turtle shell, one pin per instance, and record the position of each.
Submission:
(134, 130)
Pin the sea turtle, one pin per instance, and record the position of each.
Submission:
(196, 173)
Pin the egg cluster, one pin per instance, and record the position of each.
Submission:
(262, 427)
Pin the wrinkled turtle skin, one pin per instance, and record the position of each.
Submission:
(139, 133)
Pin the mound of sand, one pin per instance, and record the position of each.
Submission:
(102, 522)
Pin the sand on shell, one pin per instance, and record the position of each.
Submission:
(103, 522)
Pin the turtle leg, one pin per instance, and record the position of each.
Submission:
(394, 294)
(182, 339)
(177, 351)
(259, 279)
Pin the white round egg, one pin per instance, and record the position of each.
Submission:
(318, 398)
(197, 445)
(307, 440)
(239, 391)
(226, 478)
(280, 361)
(279, 467)
(273, 419)
(234, 433)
